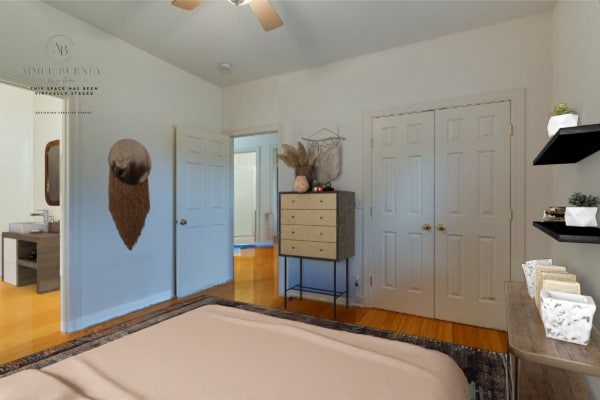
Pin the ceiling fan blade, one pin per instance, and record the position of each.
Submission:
(266, 14)
(186, 4)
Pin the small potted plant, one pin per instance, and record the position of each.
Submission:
(562, 117)
(583, 212)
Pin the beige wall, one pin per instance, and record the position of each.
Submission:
(46, 127)
(16, 138)
(513, 55)
(577, 82)
(138, 97)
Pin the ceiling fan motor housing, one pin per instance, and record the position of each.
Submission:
(240, 2)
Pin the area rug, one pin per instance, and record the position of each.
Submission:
(485, 370)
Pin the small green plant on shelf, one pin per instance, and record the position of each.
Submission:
(561, 109)
(583, 200)
(562, 116)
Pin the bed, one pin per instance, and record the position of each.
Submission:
(219, 352)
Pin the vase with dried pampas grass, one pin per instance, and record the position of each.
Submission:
(299, 159)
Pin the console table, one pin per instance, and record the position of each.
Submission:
(544, 368)
(44, 270)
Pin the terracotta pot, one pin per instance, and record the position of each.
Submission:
(301, 184)
(307, 171)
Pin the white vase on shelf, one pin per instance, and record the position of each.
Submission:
(561, 121)
(581, 216)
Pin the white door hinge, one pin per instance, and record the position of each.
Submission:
(371, 211)
(510, 214)
(511, 130)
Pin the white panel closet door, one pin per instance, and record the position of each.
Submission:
(472, 203)
(402, 190)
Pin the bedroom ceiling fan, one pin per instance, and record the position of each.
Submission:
(264, 11)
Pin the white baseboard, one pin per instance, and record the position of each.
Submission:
(105, 315)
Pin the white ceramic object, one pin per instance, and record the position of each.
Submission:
(561, 121)
(581, 216)
(529, 271)
(566, 316)
(27, 227)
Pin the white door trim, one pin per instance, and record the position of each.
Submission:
(517, 174)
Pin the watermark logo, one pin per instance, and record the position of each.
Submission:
(59, 48)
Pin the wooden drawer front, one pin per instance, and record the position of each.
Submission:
(308, 249)
(313, 233)
(308, 217)
(308, 201)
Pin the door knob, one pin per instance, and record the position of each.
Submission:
(441, 227)
(426, 227)
(183, 221)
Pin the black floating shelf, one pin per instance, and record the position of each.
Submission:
(570, 145)
(563, 233)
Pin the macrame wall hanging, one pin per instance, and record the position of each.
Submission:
(128, 197)
(326, 145)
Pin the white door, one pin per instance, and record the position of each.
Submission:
(203, 210)
(440, 227)
(402, 190)
(472, 217)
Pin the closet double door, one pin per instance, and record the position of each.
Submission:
(440, 235)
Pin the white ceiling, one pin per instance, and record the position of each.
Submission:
(315, 32)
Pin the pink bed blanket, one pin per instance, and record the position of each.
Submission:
(218, 352)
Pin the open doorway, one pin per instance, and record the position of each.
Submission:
(255, 220)
(32, 132)
(255, 190)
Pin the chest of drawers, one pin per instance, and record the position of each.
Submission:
(317, 225)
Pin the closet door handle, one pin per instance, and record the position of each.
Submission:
(441, 227)
(426, 227)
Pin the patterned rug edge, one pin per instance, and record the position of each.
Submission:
(485, 369)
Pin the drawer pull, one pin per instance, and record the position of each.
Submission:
(320, 249)
(293, 216)
(293, 232)
(320, 201)
(320, 233)
(320, 217)
(293, 248)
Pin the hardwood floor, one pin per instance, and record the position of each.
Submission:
(29, 322)
(256, 282)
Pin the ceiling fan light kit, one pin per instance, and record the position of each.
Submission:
(187, 5)
(264, 11)
(240, 2)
